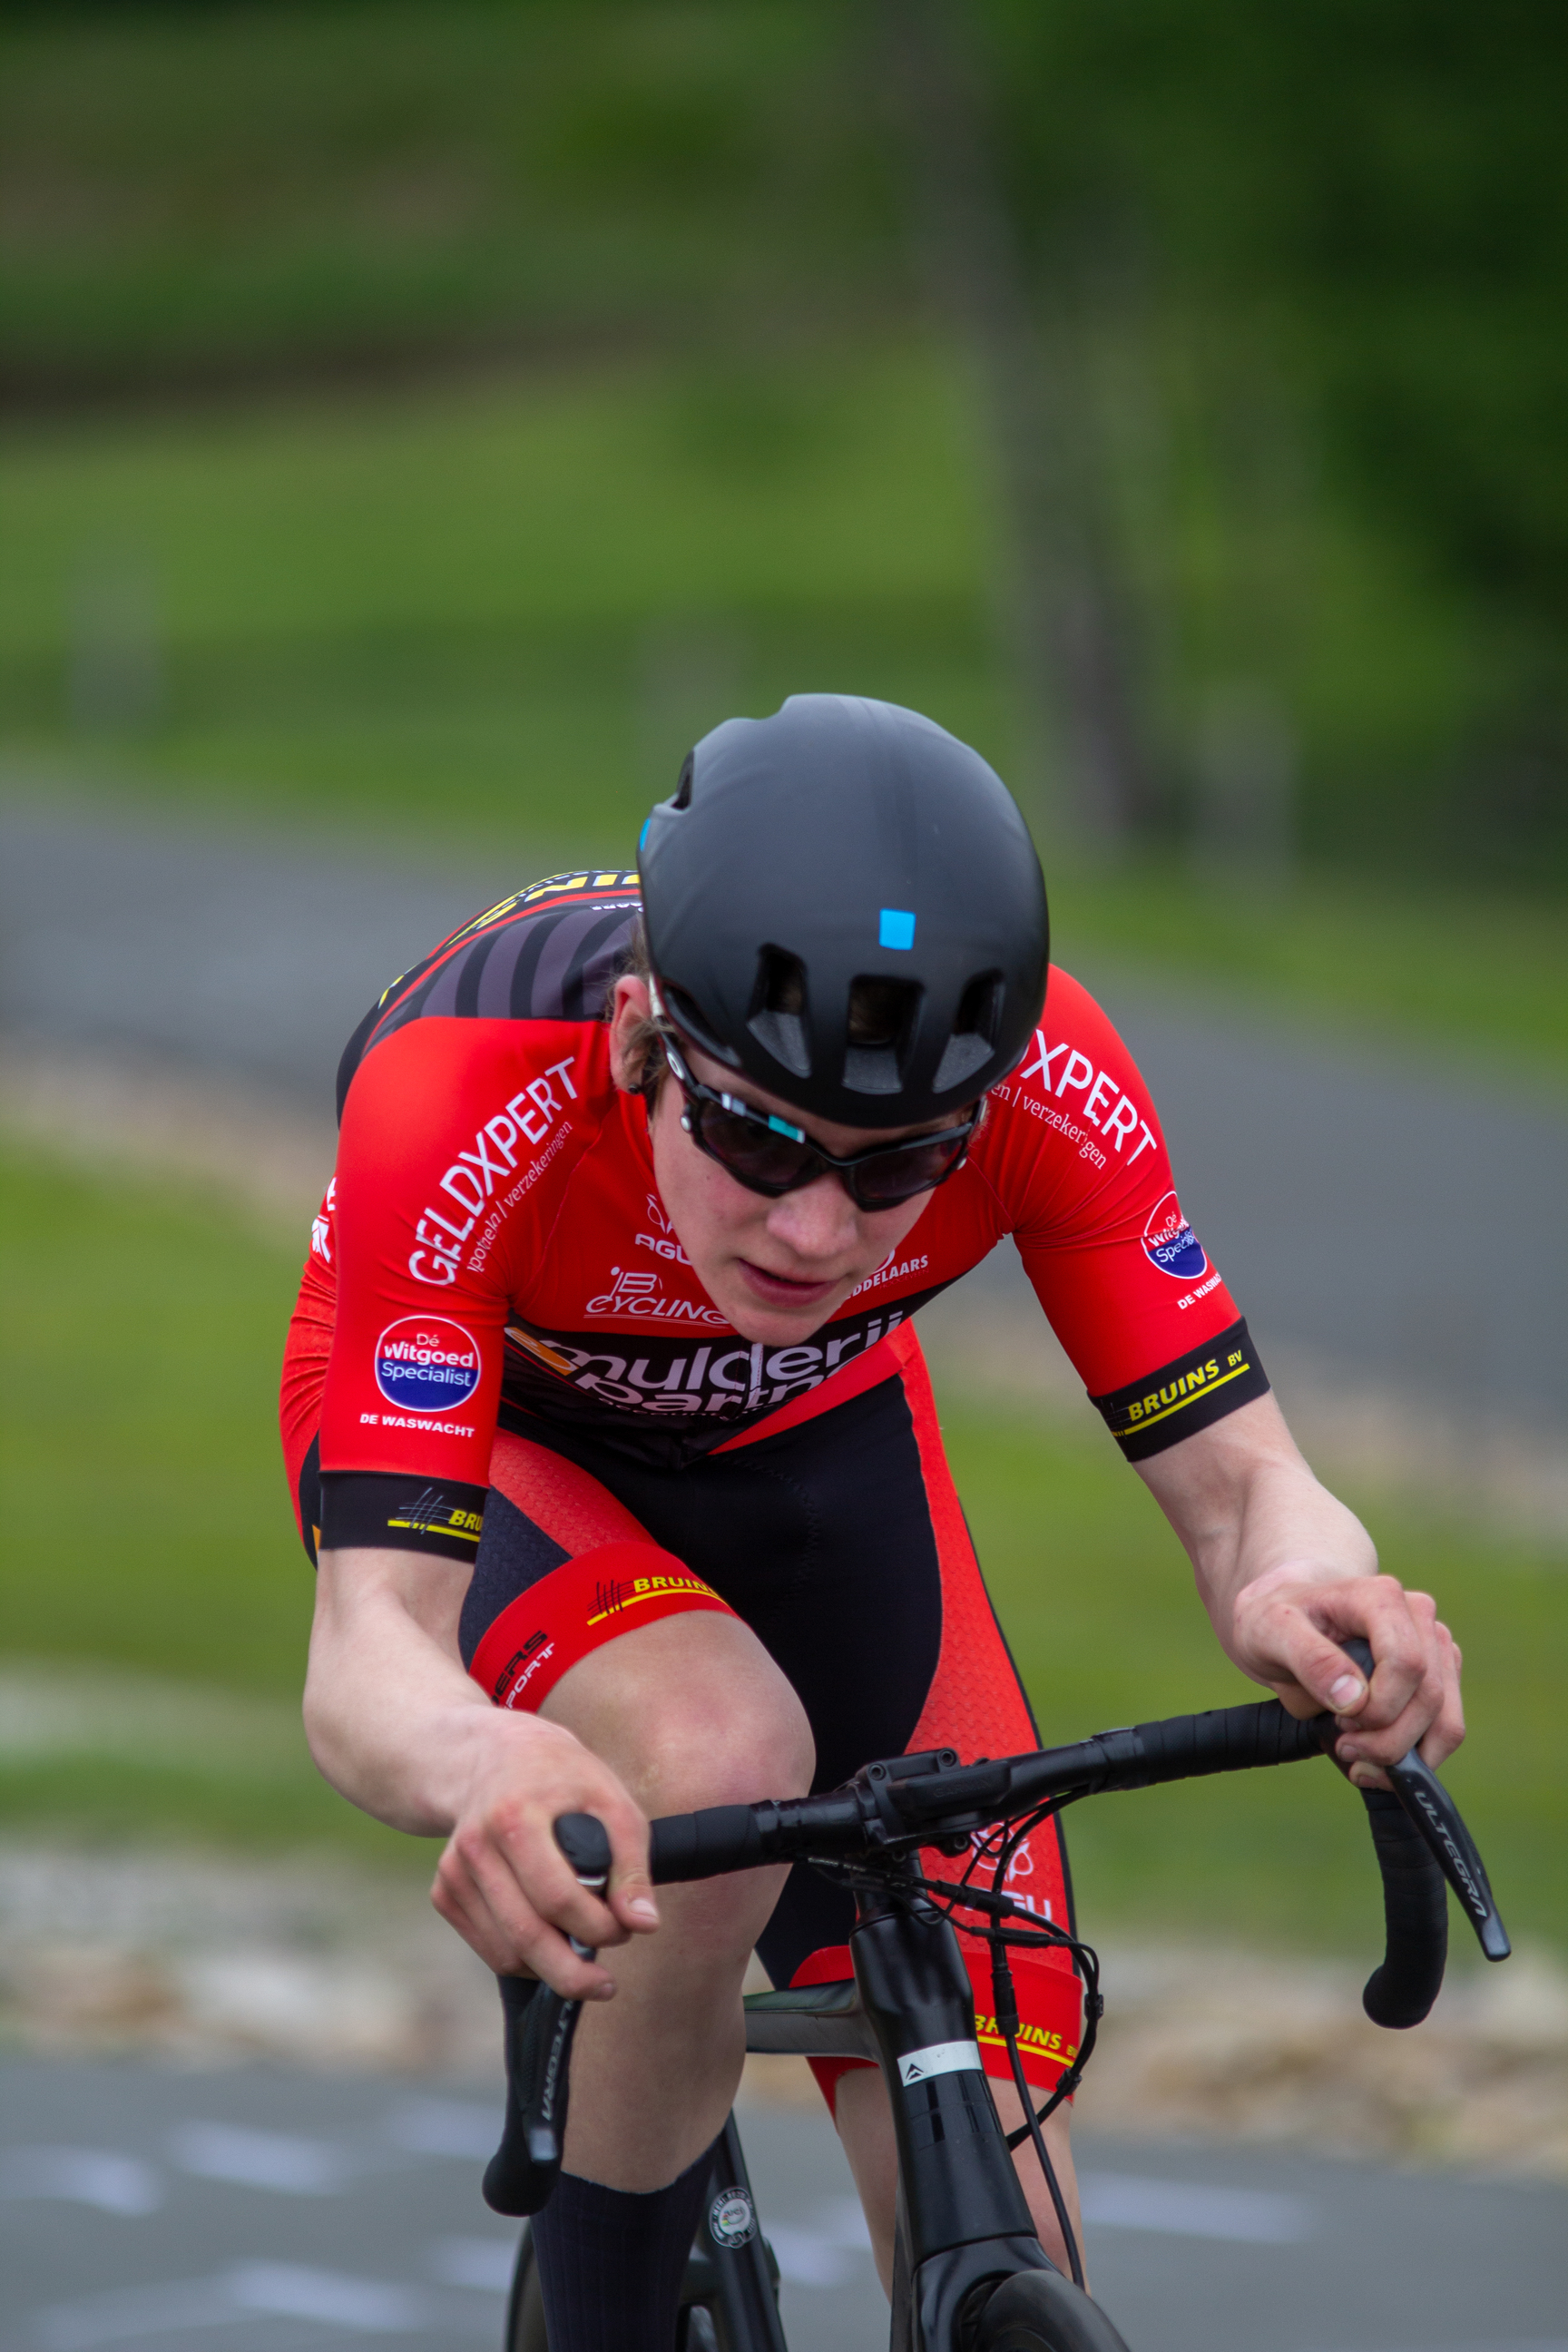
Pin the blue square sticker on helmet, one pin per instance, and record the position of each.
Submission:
(895, 927)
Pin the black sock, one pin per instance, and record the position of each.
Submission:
(611, 2262)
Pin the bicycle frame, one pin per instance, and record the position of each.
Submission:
(963, 2223)
(962, 2215)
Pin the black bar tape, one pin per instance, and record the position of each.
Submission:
(706, 1844)
(1416, 1911)
(1226, 1740)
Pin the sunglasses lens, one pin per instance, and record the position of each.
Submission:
(883, 1182)
(751, 1154)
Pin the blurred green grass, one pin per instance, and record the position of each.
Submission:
(1097, 1600)
(223, 190)
(487, 620)
(148, 1529)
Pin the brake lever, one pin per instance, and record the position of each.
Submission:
(1437, 1819)
(539, 2027)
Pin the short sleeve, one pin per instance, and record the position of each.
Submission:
(1075, 1150)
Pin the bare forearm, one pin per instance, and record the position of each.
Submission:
(1289, 1575)
(1248, 1510)
(396, 1724)
(392, 1721)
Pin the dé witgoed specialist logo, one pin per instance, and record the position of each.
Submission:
(1169, 1243)
(426, 1363)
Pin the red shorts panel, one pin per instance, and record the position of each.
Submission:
(595, 1599)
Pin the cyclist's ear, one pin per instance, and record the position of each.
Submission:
(634, 1039)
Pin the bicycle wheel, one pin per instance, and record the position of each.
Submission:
(525, 2309)
(1040, 2311)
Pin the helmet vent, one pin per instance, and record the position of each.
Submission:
(973, 1038)
(882, 1020)
(777, 1019)
(690, 1017)
(683, 789)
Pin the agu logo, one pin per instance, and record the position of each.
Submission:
(1169, 1243)
(426, 1364)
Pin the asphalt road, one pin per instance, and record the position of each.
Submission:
(1402, 1223)
(265, 2211)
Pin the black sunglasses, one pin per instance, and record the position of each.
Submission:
(768, 1155)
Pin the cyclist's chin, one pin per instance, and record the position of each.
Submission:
(777, 1307)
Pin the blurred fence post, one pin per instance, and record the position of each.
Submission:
(1064, 620)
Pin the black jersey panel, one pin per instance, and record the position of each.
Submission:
(550, 953)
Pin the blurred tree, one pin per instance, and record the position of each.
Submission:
(1270, 300)
(1372, 197)
(1064, 612)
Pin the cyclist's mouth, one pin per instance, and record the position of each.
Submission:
(781, 1290)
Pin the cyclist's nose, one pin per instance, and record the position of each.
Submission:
(817, 1219)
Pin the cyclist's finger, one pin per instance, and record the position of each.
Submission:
(526, 1850)
(632, 1900)
(1403, 1651)
(626, 1901)
(477, 1893)
(1434, 1721)
(508, 1863)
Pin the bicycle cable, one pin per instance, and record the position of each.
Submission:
(947, 1896)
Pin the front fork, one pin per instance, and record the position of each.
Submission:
(962, 2211)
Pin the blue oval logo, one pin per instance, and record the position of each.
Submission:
(425, 1363)
(1169, 1243)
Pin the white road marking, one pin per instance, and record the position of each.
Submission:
(279, 2290)
(1127, 2200)
(292, 2290)
(82, 2176)
(483, 2264)
(259, 2159)
(458, 2128)
(129, 2312)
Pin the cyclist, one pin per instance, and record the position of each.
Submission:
(610, 1434)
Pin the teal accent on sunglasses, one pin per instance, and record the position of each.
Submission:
(895, 927)
(783, 1127)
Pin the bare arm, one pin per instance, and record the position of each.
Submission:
(396, 1724)
(1286, 1572)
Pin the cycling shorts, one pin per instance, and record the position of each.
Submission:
(841, 1542)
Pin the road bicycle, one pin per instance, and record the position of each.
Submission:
(970, 2273)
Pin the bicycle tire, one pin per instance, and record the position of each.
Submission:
(1040, 2311)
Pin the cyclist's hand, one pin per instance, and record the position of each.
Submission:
(1288, 1627)
(505, 1884)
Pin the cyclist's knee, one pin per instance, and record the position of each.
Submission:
(690, 1711)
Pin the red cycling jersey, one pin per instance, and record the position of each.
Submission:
(493, 1244)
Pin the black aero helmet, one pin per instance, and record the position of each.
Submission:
(843, 902)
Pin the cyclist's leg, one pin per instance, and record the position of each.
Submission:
(689, 1710)
(842, 1544)
(915, 1661)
